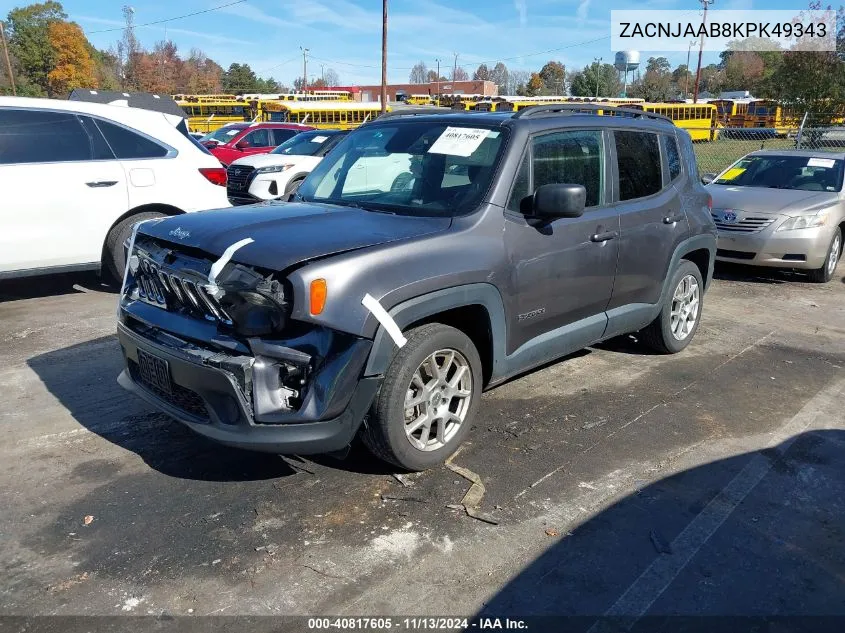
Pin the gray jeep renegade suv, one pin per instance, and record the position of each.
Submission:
(425, 259)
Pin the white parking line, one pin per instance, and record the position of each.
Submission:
(645, 590)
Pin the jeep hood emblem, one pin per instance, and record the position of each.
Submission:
(179, 233)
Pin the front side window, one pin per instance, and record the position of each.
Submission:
(638, 160)
(573, 157)
(413, 168)
(127, 144)
(36, 136)
(258, 138)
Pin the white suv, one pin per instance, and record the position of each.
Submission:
(78, 175)
(272, 176)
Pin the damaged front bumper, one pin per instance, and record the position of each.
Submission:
(302, 394)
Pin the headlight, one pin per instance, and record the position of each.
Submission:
(805, 221)
(272, 169)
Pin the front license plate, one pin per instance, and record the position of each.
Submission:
(154, 371)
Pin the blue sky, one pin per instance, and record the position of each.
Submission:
(346, 34)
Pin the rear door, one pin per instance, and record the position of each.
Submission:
(652, 220)
(563, 269)
(62, 182)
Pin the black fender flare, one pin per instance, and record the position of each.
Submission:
(412, 310)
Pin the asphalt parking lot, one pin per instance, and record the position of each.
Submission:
(623, 483)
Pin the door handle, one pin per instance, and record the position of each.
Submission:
(101, 183)
(603, 237)
(672, 219)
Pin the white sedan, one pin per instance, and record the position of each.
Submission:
(277, 174)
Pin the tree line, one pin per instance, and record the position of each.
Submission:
(809, 79)
(51, 56)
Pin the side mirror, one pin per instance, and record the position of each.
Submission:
(242, 145)
(706, 179)
(559, 201)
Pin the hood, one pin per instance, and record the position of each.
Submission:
(764, 200)
(265, 160)
(285, 234)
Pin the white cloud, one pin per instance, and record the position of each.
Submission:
(522, 9)
(583, 8)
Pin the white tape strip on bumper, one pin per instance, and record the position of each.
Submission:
(385, 319)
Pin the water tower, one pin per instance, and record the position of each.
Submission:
(627, 62)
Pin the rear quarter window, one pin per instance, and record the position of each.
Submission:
(127, 144)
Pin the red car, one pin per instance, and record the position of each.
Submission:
(236, 140)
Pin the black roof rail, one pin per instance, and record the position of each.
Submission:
(583, 108)
(414, 111)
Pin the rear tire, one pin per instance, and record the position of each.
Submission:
(678, 321)
(825, 273)
(114, 258)
(423, 412)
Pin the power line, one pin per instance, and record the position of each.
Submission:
(180, 17)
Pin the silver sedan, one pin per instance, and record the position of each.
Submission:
(781, 208)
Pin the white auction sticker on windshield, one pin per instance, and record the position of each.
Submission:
(820, 162)
(319, 139)
(458, 141)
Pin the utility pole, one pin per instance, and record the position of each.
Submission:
(437, 79)
(8, 63)
(597, 61)
(455, 70)
(686, 77)
(304, 68)
(323, 73)
(383, 56)
(705, 4)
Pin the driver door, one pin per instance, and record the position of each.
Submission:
(563, 269)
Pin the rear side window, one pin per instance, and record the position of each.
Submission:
(572, 157)
(638, 159)
(37, 136)
(127, 144)
(282, 135)
(672, 157)
(100, 150)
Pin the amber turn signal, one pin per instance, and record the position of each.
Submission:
(318, 296)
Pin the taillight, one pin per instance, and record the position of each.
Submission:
(215, 175)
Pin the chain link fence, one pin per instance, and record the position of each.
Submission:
(731, 144)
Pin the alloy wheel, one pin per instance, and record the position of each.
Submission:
(437, 399)
(685, 304)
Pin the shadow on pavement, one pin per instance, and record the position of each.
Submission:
(53, 285)
(758, 274)
(758, 534)
(84, 379)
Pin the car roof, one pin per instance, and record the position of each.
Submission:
(118, 112)
(801, 153)
(538, 122)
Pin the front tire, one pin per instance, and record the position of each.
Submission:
(678, 321)
(114, 257)
(428, 399)
(825, 273)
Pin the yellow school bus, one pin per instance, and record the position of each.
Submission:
(419, 99)
(516, 103)
(731, 112)
(339, 115)
(206, 114)
(699, 119)
(769, 114)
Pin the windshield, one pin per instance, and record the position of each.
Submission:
(413, 168)
(223, 134)
(785, 172)
(305, 144)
